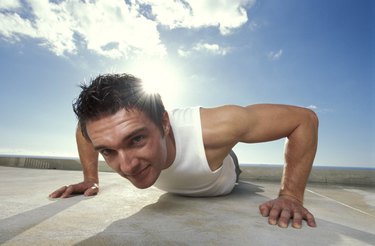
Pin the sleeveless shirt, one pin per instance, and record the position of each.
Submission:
(190, 173)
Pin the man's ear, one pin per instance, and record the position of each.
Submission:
(166, 123)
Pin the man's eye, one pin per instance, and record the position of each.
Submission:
(105, 152)
(138, 139)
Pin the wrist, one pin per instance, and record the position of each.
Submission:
(290, 195)
(91, 179)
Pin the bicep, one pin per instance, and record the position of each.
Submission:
(267, 122)
(228, 125)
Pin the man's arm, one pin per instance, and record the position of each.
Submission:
(300, 149)
(226, 126)
(89, 161)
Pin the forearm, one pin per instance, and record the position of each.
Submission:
(88, 157)
(300, 150)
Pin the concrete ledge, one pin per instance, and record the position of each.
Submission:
(47, 163)
(319, 174)
(272, 173)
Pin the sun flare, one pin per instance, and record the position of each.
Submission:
(160, 77)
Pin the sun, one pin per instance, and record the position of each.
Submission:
(160, 77)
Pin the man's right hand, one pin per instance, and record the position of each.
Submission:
(89, 161)
(85, 188)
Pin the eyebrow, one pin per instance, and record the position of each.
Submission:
(126, 138)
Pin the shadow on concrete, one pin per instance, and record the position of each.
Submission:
(227, 220)
(17, 224)
(179, 220)
(333, 230)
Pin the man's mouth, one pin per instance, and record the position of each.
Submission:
(141, 174)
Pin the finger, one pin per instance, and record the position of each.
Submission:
(310, 219)
(297, 220)
(68, 191)
(92, 191)
(54, 194)
(265, 209)
(58, 193)
(274, 215)
(284, 218)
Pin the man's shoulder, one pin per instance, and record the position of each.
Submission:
(183, 109)
(184, 114)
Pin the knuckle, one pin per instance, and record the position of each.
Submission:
(297, 217)
(274, 212)
(285, 214)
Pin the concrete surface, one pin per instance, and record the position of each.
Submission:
(124, 215)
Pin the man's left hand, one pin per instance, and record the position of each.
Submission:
(282, 209)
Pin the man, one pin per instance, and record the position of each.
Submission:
(187, 151)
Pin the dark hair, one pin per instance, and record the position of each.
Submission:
(107, 94)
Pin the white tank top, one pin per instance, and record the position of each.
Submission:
(190, 173)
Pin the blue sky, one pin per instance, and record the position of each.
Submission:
(317, 54)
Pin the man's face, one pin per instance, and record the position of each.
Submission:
(132, 145)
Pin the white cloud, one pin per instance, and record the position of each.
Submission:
(54, 25)
(201, 47)
(319, 109)
(109, 27)
(225, 14)
(116, 28)
(275, 55)
(211, 48)
(184, 53)
(10, 4)
(13, 25)
(312, 107)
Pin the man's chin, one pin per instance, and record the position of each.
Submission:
(142, 186)
(146, 182)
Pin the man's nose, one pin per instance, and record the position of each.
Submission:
(128, 163)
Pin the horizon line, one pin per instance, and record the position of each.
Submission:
(316, 165)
